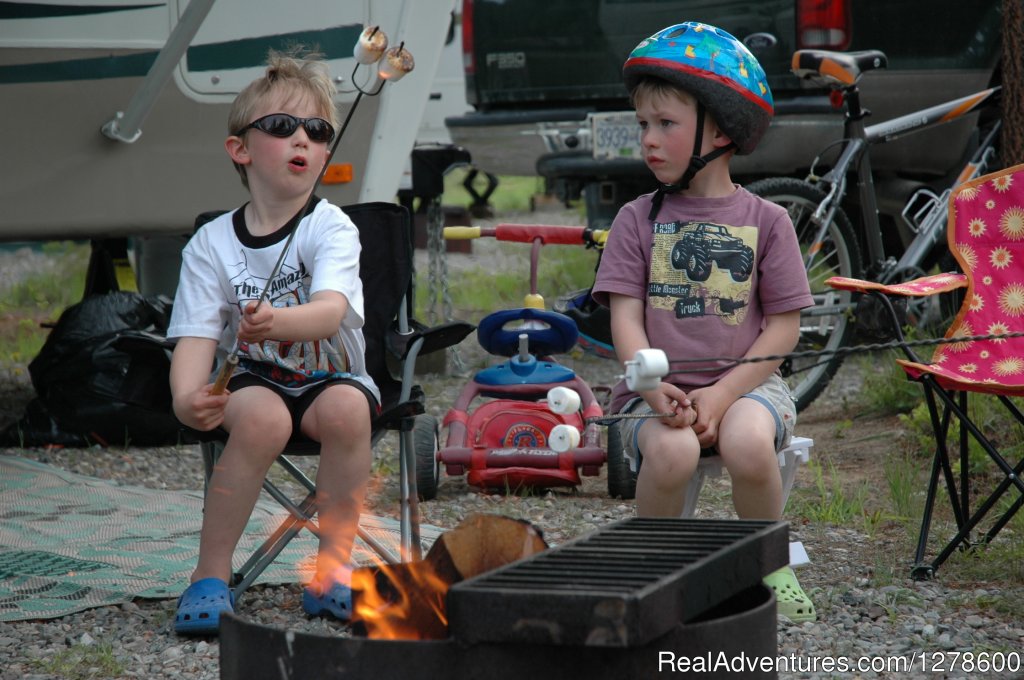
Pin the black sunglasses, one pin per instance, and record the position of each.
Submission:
(284, 125)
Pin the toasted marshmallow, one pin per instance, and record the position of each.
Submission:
(371, 45)
(396, 63)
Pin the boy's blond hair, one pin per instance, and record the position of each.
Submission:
(295, 72)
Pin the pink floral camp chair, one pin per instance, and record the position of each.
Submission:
(986, 235)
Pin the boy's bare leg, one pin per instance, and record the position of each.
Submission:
(259, 425)
(670, 459)
(746, 442)
(340, 419)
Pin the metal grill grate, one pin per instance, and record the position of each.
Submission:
(623, 585)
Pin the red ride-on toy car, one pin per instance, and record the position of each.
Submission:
(505, 441)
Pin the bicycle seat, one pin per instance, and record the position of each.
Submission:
(844, 68)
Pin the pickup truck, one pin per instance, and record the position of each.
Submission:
(544, 80)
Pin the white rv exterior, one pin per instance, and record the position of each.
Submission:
(71, 68)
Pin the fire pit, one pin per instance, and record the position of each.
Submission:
(626, 601)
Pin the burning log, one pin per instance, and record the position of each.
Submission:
(407, 600)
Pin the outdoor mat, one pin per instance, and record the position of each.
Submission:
(69, 542)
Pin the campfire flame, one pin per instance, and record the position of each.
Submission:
(401, 601)
(407, 601)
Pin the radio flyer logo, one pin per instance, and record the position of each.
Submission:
(701, 268)
(524, 436)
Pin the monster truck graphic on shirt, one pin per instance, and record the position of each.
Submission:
(712, 243)
(702, 269)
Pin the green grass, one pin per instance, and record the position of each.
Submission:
(828, 502)
(83, 662)
(904, 479)
(886, 387)
(479, 290)
(513, 194)
(38, 298)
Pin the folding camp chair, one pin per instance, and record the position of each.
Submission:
(986, 234)
(393, 338)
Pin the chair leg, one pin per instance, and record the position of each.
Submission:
(966, 522)
(940, 464)
(300, 517)
(694, 487)
(410, 520)
(962, 539)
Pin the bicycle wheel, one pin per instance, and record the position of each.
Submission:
(828, 325)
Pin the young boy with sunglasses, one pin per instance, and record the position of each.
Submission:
(301, 351)
(702, 268)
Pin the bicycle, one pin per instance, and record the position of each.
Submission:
(818, 207)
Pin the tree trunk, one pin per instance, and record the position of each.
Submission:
(1012, 142)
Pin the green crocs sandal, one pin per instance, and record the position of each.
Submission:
(791, 599)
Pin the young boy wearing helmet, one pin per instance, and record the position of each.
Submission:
(703, 268)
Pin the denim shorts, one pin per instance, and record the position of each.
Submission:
(773, 393)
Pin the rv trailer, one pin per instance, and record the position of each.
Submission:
(114, 112)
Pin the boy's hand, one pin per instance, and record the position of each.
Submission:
(257, 321)
(201, 410)
(668, 398)
(711, 405)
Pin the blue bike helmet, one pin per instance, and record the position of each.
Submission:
(714, 67)
(721, 73)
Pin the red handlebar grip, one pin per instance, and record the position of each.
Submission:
(547, 233)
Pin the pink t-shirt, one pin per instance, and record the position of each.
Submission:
(710, 270)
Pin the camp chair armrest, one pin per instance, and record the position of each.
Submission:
(919, 287)
(435, 338)
(391, 418)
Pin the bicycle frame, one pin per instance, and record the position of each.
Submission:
(859, 138)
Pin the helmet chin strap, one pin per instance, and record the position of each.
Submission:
(697, 163)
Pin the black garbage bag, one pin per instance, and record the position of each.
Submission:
(102, 377)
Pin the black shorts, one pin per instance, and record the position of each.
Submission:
(298, 404)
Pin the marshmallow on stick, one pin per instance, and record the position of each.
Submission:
(397, 62)
(371, 45)
(563, 400)
(563, 437)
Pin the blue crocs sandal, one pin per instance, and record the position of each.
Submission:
(200, 607)
(336, 602)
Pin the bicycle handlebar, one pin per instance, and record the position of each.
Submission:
(528, 233)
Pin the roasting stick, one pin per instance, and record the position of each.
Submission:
(396, 63)
(643, 373)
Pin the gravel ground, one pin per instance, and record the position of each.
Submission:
(865, 612)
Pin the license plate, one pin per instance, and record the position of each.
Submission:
(614, 135)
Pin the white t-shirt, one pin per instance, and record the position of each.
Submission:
(224, 267)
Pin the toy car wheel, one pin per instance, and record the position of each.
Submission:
(621, 480)
(425, 438)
